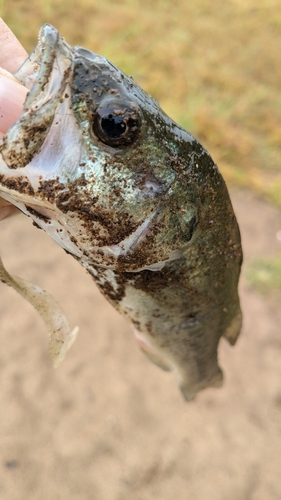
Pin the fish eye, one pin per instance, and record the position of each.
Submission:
(117, 124)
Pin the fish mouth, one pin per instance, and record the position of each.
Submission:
(46, 73)
(34, 150)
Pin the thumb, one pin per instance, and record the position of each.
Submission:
(12, 97)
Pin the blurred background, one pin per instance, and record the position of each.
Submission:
(108, 425)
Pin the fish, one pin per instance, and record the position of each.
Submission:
(134, 198)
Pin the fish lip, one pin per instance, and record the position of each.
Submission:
(35, 71)
(50, 60)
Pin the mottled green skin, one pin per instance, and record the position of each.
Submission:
(101, 195)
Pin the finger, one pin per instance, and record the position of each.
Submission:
(8, 211)
(12, 54)
(12, 97)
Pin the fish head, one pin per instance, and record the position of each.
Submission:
(92, 160)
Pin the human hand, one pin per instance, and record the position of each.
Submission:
(12, 94)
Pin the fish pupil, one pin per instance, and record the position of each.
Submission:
(113, 126)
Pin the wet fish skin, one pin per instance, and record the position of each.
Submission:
(146, 211)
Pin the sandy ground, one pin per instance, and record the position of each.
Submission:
(108, 424)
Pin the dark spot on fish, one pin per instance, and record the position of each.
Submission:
(106, 287)
(36, 225)
(19, 184)
(49, 189)
(37, 214)
(150, 281)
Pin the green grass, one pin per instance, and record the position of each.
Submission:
(265, 274)
(214, 66)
